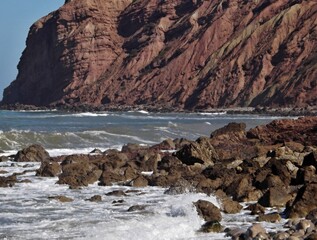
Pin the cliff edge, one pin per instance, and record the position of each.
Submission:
(187, 54)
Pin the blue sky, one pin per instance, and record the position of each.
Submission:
(16, 17)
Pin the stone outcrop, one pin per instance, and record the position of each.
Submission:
(179, 54)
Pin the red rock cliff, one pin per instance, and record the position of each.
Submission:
(185, 53)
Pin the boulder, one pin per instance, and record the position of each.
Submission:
(181, 186)
(211, 226)
(201, 151)
(271, 217)
(256, 209)
(256, 230)
(8, 181)
(62, 199)
(275, 197)
(49, 169)
(304, 202)
(33, 153)
(140, 181)
(95, 198)
(78, 171)
(208, 211)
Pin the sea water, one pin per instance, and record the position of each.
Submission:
(27, 212)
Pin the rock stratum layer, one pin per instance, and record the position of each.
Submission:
(189, 54)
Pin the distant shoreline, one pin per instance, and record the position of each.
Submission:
(283, 111)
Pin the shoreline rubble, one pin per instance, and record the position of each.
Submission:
(270, 166)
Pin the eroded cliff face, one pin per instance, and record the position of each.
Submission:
(190, 54)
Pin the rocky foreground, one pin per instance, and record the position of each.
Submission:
(185, 54)
(271, 166)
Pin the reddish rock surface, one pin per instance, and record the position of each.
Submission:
(187, 54)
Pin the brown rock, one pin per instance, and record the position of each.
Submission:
(117, 193)
(8, 181)
(133, 52)
(271, 217)
(95, 198)
(255, 230)
(62, 199)
(275, 197)
(33, 153)
(256, 209)
(305, 201)
(140, 181)
(78, 171)
(208, 211)
(49, 169)
(201, 152)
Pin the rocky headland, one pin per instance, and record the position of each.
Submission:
(190, 55)
(270, 168)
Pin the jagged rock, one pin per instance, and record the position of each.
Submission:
(33, 153)
(275, 197)
(49, 169)
(95, 198)
(78, 171)
(201, 152)
(271, 217)
(256, 230)
(304, 202)
(139, 56)
(136, 208)
(62, 199)
(208, 211)
(117, 193)
(211, 226)
(8, 181)
(256, 209)
(140, 181)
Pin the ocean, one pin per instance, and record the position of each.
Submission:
(26, 212)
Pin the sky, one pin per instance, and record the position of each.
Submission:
(16, 17)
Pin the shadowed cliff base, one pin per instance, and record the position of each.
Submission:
(192, 55)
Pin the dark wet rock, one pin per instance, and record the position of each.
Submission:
(312, 215)
(256, 209)
(201, 151)
(151, 164)
(256, 230)
(275, 197)
(118, 201)
(136, 208)
(61, 198)
(4, 159)
(116, 160)
(304, 202)
(164, 180)
(167, 144)
(140, 181)
(168, 162)
(271, 217)
(78, 171)
(312, 236)
(208, 211)
(116, 193)
(228, 129)
(131, 147)
(49, 169)
(33, 153)
(181, 186)
(240, 187)
(230, 206)
(8, 181)
(310, 159)
(25, 181)
(95, 198)
(211, 226)
(235, 233)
